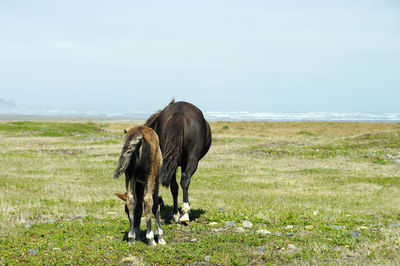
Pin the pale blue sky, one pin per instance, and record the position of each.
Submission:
(222, 55)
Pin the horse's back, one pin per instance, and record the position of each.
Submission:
(191, 113)
(196, 130)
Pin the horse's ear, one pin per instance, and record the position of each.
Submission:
(125, 131)
(123, 197)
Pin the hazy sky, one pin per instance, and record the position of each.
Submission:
(222, 55)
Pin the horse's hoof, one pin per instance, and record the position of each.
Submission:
(161, 242)
(131, 238)
(184, 219)
(186, 223)
(176, 217)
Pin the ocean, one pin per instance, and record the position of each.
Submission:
(309, 116)
(212, 116)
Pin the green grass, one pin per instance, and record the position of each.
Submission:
(92, 240)
(378, 148)
(48, 129)
(325, 198)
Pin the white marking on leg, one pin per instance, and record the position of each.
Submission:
(185, 207)
(131, 237)
(184, 218)
(176, 217)
(185, 210)
(150, 237)
(160, 234)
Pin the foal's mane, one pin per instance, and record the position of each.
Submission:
(153, 119)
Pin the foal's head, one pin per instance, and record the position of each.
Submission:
(124, 198)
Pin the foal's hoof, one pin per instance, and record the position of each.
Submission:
(131, 238)
(186, 223)
(161, 242)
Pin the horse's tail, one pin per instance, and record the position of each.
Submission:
(127, 155)
(172, 148)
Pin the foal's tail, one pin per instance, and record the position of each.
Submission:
(172, 148)
(127, 154)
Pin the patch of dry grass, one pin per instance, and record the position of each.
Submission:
(265, 129)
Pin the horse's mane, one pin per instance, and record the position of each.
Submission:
(153, 119)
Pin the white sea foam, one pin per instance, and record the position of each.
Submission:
(224, 116)
(310, 116)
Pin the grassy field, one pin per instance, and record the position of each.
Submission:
(266, 193)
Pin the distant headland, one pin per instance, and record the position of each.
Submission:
(7, 105)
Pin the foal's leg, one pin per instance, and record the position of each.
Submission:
(130, 202)
(148, 205)
(174, 191)
(190, 168)
(138, 208)
(156, 212)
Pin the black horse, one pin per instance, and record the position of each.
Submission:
(185, 137)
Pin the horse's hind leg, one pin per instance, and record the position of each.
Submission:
(174, 192)
(185, 181)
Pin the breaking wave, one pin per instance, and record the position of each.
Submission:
(214, 116)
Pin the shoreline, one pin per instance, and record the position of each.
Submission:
(28, 117)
